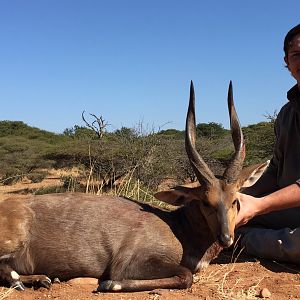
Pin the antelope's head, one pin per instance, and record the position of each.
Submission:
(215, 197)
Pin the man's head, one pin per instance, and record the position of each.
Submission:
(292, 52)
(288, 40)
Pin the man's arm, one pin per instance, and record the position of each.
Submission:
(250, 206)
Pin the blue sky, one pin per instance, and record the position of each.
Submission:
(132, 61)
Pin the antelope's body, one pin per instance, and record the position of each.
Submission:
(126, 245)
(110, 238)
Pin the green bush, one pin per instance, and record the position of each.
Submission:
(37, 176)
(211, 130)
(260, 140)
(147, 157)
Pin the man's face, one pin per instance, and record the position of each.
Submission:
(293, 58)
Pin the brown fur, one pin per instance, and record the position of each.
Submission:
(110, 238)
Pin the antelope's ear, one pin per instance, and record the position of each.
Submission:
(251, 174)
(179, 195)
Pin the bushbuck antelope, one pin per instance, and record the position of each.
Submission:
(128, 246)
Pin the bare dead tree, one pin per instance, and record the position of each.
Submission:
(271, 117)
(98, 125)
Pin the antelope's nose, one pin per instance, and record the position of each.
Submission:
(225, 240)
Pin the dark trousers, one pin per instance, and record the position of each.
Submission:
(287, 218)
(273, 236)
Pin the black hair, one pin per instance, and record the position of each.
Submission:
(289, 37)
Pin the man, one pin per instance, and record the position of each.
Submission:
(271, 208)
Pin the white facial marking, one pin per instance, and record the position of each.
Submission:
(117, 287)
(14, 275)
(280, 242)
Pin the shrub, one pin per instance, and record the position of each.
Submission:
(37, 176)
(211, 130)
(145, 157)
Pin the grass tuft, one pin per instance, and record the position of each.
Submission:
(225, 288)
(4, 293)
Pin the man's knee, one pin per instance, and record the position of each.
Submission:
(281, 245)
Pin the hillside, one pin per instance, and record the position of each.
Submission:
(28, 153)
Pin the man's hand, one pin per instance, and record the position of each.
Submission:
(249, 207)
(252, 206)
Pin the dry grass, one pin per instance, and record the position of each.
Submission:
(226, 287)
(4, 293)
(126, 186)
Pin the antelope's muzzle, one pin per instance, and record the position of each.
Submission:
(225, 240)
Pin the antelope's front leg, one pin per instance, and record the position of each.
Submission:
(11, 277)
(36, 280)
(162, 276)
(18, 282)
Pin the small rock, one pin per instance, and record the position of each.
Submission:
(265, 293)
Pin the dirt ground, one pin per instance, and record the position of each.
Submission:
(244, 278)
(230, 276)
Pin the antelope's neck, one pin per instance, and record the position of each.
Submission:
(196, 238)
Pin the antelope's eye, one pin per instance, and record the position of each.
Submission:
(236, 202)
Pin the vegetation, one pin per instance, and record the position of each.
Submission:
(128, 154)
(259, 141)
(211, 130)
